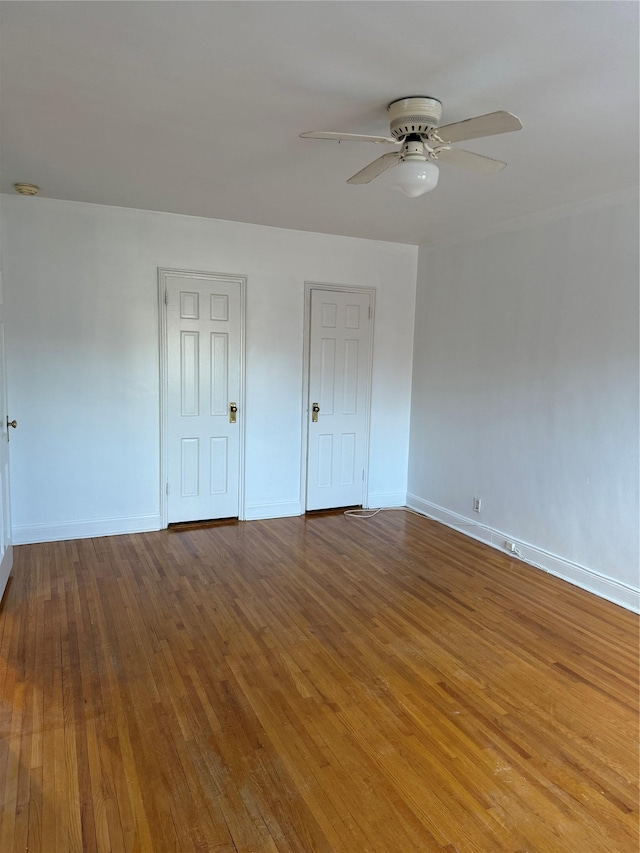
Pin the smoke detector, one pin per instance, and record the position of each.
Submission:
(27, 189)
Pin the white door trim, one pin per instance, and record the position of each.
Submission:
(6, 532)
(163, 274)
(306, 350)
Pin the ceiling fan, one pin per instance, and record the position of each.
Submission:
(415, 127)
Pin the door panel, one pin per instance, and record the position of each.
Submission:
(339, 346)
(348, 459)
(219, 455)
(6, 551)
(189, 378)
(204, 376)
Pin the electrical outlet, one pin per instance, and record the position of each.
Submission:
(477, 504)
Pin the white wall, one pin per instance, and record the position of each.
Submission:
(525, 392)
(82, 354)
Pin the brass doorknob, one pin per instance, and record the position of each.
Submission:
(13, 423)
(314, 413)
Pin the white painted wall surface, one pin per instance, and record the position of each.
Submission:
(82, 354)
(525, 392)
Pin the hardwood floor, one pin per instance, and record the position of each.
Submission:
(312, 684)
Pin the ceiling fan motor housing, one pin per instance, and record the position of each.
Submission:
(416, 115)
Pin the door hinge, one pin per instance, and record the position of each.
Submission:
(369, 311)
(166, 489)
(166, 298)
(363, 475)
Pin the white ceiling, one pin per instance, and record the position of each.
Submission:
(196, 107)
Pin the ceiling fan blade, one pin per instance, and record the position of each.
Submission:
(374, 169)
(346, 137)
(469, 160)
(473, 128)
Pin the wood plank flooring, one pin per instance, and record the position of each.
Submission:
(312, 684)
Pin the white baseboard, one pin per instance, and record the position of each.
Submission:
(283, 509)
(256, 512)
(30, 533)
(5, 568)
(588, 579)
(581, 576)
(386, 499)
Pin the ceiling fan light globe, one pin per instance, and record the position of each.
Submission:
(416, 177)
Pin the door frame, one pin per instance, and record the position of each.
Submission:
(163, 274)
(6, 534)
(306, 363)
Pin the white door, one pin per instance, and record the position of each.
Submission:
(6, 551)
(339, 382)
(204, 395)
